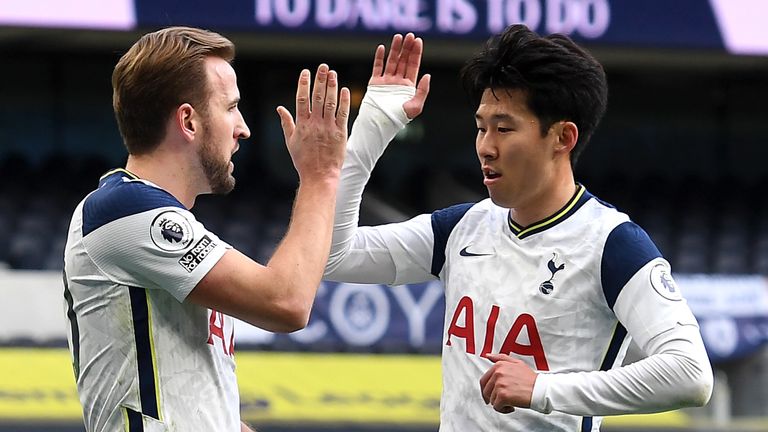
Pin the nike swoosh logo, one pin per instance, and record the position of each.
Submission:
(465, 253)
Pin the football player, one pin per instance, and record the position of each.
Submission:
(545, 284)
(149, 291)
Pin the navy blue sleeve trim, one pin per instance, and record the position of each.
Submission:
(443, 222)
(627, 249)
(115, 200)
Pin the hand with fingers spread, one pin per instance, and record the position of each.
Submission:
(402, 68)
(318, 137)
(507, 384)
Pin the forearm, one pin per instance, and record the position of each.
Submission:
(678, 375)
(244, 428)
(298, 262)
(277, 297)
(381, 116)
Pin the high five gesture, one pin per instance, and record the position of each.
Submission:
(402, 68)
(316, 140)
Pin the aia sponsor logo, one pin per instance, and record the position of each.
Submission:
(216, 330)
(524, 328)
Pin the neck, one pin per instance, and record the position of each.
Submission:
(545, 201)
(168, 172)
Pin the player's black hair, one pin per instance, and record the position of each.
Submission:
(561, 80)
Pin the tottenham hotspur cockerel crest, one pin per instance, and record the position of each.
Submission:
(548, 286)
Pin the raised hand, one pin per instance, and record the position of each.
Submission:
(402, 68)
(318, 137)
(507, 384)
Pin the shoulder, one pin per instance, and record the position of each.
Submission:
(119, 196)
(627, 249)
(623, 237)
(595, 209)
(448, 217)
(444, 222)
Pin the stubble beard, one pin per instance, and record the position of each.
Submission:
(216, 170)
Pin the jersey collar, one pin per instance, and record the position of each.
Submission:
(577, 200)
(123, 173)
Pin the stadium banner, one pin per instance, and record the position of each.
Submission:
(377, 318)
(732, 25)
(90, 14)
(275, 388)
(732, 312)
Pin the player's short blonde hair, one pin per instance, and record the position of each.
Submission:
(161, 71)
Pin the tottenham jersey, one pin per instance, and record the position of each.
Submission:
(543, 294)
(553, 294)
(144, 359)
(564, 295)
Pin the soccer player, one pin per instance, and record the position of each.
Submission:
(149, 291)
(545, 284)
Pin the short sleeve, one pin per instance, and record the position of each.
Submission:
(627, 249)
(140, 236)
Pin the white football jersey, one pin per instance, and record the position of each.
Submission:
(144, 359)
(566, 295)
(543, 294)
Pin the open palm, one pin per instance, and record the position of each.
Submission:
(402, 68)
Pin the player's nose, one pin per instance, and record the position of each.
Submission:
(242, 131)
(486, 149)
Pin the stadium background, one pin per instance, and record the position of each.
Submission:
(682, 149)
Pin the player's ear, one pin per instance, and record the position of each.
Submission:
(567, 133)
(186, 121)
